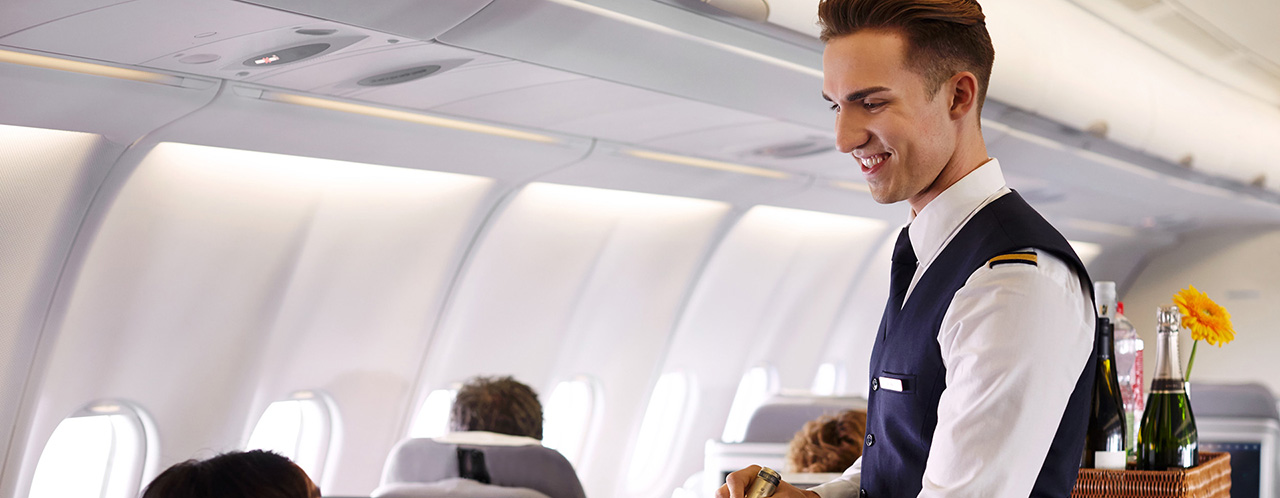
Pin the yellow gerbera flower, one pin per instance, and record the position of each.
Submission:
(1206, 320)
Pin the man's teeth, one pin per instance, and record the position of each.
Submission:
(871, 162)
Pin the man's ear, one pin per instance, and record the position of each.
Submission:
(964, 94)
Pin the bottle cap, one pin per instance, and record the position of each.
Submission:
(1168, 316)
(1104, 294)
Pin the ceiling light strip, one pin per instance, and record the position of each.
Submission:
(411, 117)
(652, 26)
(707, 163)
(46, 62)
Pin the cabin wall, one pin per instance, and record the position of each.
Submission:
(1236, 268)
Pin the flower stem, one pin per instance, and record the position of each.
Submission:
(1192, 360)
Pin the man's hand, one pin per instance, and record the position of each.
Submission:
(735, 486)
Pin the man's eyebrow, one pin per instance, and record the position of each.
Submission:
(858, 95)
(864, 93)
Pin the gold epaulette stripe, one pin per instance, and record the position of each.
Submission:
(1026, 258)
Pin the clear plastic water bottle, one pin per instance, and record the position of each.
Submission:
(1128, 358)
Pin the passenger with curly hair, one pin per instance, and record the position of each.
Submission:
(830, 443)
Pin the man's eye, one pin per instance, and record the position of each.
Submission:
(835, 107)
(871, 106)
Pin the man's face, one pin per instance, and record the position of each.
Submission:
(901, 136)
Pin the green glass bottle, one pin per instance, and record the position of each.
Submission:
(1104, 439)
(1168, 437)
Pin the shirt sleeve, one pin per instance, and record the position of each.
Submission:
(845, 486)
(1014, 340)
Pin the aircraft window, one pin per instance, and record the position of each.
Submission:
(433, 418)
(753, 389)
(658, 431)
(569, 414)
(829, 380)
(299, 428)
(100, 451)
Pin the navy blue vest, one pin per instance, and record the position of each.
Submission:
(900, 425)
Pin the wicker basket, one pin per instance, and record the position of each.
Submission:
(1210, 479)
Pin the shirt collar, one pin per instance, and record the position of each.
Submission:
(933, 226)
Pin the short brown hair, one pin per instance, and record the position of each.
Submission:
(497, 404)
(944, 37)
(257, 473)
(829, 444)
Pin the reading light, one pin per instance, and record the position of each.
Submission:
(47, 62)
(707, 163)
(412, 117)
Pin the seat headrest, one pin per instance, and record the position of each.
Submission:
(780, 417)
(453, 487)
(1251, 400)
(533, 467)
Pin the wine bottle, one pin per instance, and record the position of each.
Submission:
(1168, 437)
(1104, 442)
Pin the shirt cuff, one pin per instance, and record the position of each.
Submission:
(839, 488)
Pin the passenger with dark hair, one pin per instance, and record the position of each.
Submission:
(981, 369)
(500, 405)
(830, 443)
(236, 474)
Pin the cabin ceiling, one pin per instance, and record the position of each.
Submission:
(732, 94)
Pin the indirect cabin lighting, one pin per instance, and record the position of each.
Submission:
(854, 186)
(641, 23)
(411, 117)
(706, 163)
(46, 62)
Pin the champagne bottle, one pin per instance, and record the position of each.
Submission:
(1168, 437)
(1104, 446)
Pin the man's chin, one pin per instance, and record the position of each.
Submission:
(882, 195)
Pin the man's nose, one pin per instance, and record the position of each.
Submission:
(851, 133)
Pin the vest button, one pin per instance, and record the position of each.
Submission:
(875, 384)
(862, 493)
(871, 440)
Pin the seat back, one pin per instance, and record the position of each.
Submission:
(538, 468)
(780, 417)
(1241, 419)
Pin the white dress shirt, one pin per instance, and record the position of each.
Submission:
(1014, 341)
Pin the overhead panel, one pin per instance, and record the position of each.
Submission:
(17, 15)
(417, 19)
(601, 109)
(484, 75)
(138, 31)
(590, 40)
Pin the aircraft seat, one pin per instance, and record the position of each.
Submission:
(769, 432)
(1241, 419)
(780, 417)
(422, 468)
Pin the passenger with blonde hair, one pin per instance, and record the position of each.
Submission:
(830, 443)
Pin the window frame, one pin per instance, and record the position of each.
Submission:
(330, 424)
(146, 449)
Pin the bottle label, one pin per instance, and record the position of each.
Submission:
(1111, 460)
(1166, 386)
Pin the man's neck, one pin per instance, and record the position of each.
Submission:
(970, 154)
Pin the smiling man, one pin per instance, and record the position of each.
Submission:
(983, 362)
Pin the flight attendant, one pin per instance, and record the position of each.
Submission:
(983, 360)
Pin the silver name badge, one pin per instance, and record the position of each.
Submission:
(891, 384)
